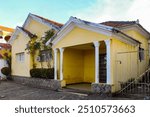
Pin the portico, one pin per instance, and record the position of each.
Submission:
(81, 63)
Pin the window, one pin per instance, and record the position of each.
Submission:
(141, 54)
(20, 57)
(45, 56)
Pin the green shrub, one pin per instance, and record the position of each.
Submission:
(6, 71)
(42, 73)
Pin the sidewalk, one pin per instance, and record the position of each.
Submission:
(9, 90)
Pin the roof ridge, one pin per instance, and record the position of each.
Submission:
(118, 24)
(119, 21)
(51, 21)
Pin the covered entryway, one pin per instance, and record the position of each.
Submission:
(81, 50)
(83, 64)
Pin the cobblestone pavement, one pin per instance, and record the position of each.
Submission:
(9, 90)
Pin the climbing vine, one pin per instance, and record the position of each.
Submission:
(37, 45)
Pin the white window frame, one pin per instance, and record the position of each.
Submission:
(20, 57)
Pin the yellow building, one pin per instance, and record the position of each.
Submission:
(100, 54)
(21, 59)
(5, 34)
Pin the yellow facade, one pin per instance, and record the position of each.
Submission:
(19, 45)
(79, 54)
(79, 62)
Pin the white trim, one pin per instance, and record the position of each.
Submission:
(95, 29)
(136, 28)
(108, 57)
(55, 64)
(125, 39)
(96, 44)
(42, 21)
(61, 63)
(64, 33)
(98, 28)
(15, 34)
(22, 32)
(72, 25)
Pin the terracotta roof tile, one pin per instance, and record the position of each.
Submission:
(118, 24)
(53, 22)
(27, 32)
(5, 46)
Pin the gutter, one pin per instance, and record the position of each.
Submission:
(114, 30)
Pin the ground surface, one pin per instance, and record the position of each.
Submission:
(9, 90)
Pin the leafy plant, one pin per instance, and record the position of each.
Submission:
(36, 45)
(6, 71)
(42, 73)
(32, 46)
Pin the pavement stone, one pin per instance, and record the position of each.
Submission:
(9, 90)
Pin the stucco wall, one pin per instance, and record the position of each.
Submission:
(89, 66)
(18, 46)
(80, 36)
(73, 66)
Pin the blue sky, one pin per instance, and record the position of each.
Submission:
(14, 12)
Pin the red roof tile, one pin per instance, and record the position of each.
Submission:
(27, 32)
(5, 46)
(53, 22)
(118, 24)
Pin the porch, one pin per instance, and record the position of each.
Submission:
(86, 63)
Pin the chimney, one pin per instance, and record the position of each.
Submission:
(137, 21)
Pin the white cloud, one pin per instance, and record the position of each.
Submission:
(105, 10)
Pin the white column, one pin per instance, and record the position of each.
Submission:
(108, 66)
(61, 63)
(55, 64)
(96, 44)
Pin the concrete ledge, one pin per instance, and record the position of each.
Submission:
(38, 82)
(103, 89)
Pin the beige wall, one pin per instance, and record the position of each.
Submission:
(18, 46)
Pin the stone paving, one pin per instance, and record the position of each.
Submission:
(10, 90)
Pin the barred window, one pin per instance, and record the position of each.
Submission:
(45, 56)
(141, 54)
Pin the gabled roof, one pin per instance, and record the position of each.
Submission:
(3, 28)
(26, 31)
(55, 25)
(43, 20)
(20, 29)
(126, 25)
(50, 21)
(97, 27)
